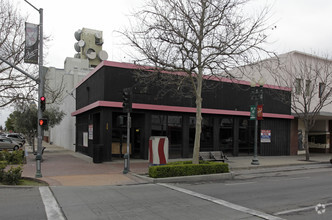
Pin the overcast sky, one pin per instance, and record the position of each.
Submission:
(302, 25)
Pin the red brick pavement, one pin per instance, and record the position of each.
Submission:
(63, 167)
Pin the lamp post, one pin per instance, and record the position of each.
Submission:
(257, 96)
(40, 92)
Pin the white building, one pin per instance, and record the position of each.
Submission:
(310, 78)
(60, 84)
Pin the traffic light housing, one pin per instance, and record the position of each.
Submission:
(43, 122)
(127, 100)
(42, 103)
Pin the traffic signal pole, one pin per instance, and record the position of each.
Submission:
(127, 108)
(128, 139)
(41, 85)
(41, 94)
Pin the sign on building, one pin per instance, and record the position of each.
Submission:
(265, 136)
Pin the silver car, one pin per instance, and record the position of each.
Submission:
(17, 138)
(7, 143)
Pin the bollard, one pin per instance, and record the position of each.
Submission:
(126, 167)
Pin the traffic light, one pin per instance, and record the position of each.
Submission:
(43, 122)
(127, 100)
(42, 103)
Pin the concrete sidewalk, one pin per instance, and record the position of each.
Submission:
(68, 168)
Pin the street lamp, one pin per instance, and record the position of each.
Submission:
(40, 92)
(256, 112)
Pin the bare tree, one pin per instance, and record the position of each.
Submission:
(310, 78)
(14, 86)
(197, 39)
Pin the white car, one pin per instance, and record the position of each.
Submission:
(7, 143)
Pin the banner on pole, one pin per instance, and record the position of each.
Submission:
(253, 112)
(259, 112)
(31, 43)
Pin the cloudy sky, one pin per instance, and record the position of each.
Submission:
(302, 25)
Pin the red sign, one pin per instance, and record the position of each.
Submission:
(259, 112)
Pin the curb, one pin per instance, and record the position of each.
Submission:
(194, 178)
(291, 166)
(257, 167)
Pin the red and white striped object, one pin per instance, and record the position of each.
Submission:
(158, 150)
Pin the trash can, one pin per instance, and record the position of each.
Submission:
(98, 153)
(158, 150)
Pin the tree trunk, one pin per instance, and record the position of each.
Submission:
(306, 145)
(33, 144)
(198, 130)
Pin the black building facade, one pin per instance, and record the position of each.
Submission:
(226, 125)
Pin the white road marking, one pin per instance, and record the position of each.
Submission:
(223, 202)
(300, 209)
(52, 209)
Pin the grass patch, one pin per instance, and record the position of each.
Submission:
(31, 182)
(24, 181)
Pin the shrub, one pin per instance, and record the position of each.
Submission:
(4, 155)
(17, 157)
(12, 176)
(187, 162)
(3, 165)
(14, 157)
(187, 169)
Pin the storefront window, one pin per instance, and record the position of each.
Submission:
(174, 134)
(207, 134)
(170, 126)
(244, 140)
(158, 125)
(226, 134)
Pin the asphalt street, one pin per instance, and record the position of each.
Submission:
(302, 194)
(21, 203)
(144, 201)
(289, 194)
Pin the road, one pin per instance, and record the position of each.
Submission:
(21, 203)
(274, 195)
(288, 195)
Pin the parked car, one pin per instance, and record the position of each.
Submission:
(17, 138)
(7, 143)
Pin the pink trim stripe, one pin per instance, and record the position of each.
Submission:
(134, 66)
(175, 109)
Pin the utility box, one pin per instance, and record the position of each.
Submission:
(158, 150)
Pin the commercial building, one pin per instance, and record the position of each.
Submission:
(226, 125)
(309, 77)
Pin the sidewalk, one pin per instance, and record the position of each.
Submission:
(68, 168)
